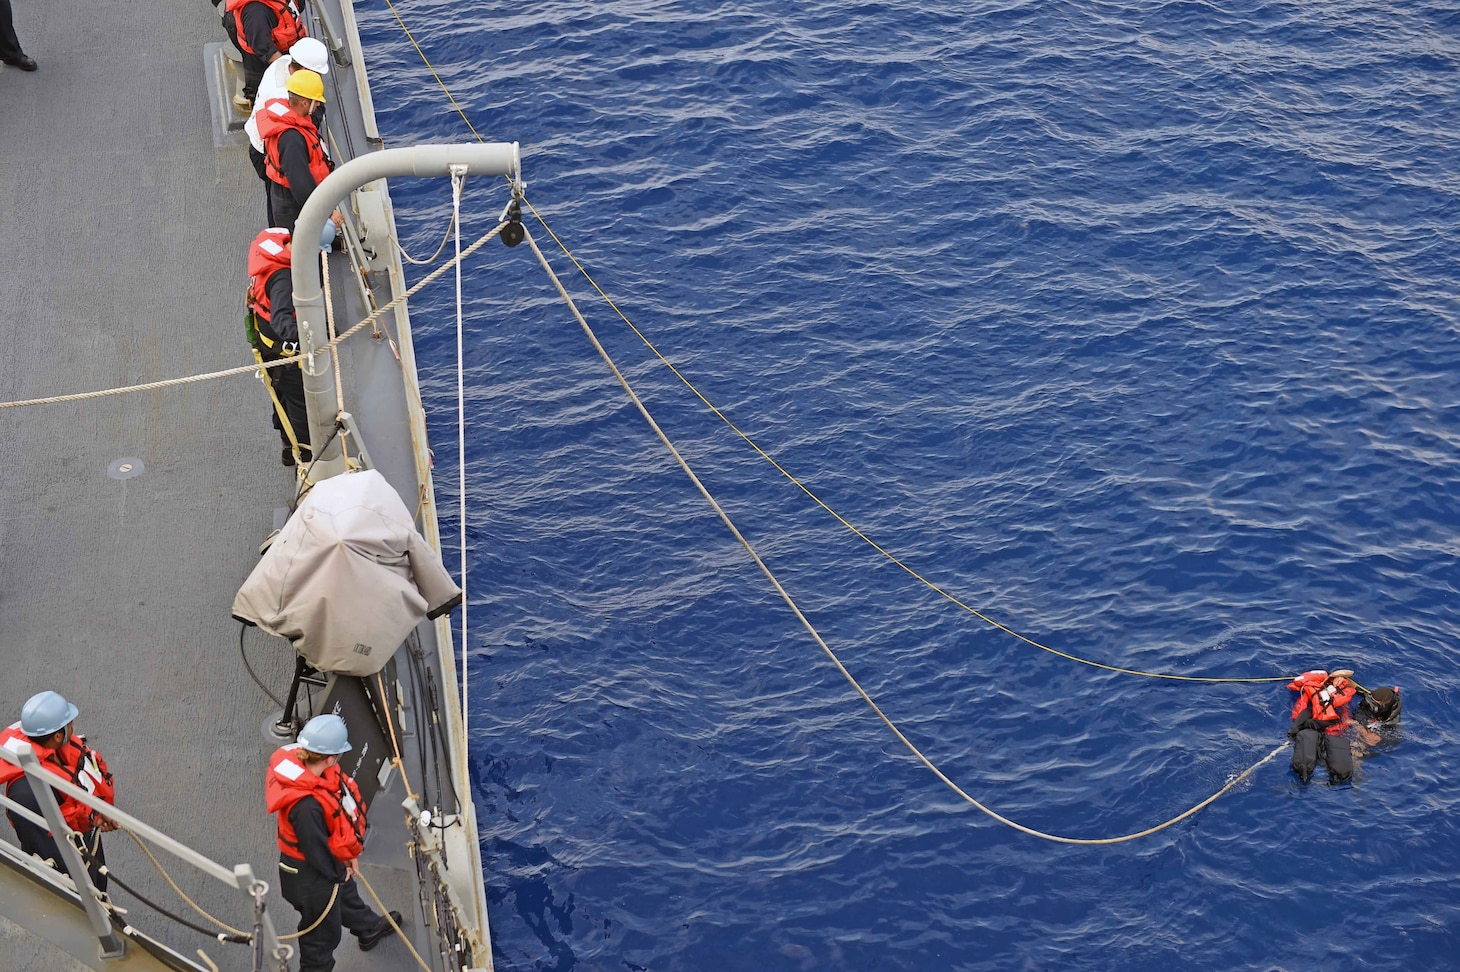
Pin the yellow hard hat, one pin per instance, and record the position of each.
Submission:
(306, 84)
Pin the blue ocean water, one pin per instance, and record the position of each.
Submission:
(1131, 324)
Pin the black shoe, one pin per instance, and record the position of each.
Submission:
(383, 930)
(24, 62)
(287, 456)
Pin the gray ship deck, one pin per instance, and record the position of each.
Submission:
(125, 232)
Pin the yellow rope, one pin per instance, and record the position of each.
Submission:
(429, 67)
(386, 912)
(790, 602)
(278, 406)
(334, 893)
(180, 893)
(390, 725)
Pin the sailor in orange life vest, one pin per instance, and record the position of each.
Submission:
(1320, 723)
(271, 302)
(295, 159)
(321, 833)
(307, 54)
(47, 722)
(262, 30)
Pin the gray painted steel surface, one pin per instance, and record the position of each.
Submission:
(125, 232)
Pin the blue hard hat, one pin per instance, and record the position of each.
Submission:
(326, 735)
(327, 235)
(44, 713)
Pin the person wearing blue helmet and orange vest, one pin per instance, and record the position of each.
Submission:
(48, 722)
(1320, 724)
(321, 834)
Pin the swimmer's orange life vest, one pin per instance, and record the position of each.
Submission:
(1324, 704)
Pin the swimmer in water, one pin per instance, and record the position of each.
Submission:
(1378, 716)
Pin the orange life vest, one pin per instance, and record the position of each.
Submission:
(344, 812)
(275, 119)
(267, 255)
(289, 29)
(1327, 704)
(75, 764)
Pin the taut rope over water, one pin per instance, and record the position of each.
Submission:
(791, 603)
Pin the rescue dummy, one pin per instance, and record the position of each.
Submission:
(1320, 723)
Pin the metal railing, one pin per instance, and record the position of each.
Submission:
(45, 784)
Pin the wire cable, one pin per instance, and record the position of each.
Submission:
(940, 591)
(935, 588)
(251, 673)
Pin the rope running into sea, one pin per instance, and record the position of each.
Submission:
(935, 588)
(254, 368)
(811, 629)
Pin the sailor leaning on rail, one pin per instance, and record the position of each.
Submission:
(321, 833)
(295, 159)
(273, 332)
(306, 54)
(48, 722)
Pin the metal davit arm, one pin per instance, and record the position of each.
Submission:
(494, 159)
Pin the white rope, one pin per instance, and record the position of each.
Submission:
(785, 596)
(445, 238)
(254, 368)
(458, 179)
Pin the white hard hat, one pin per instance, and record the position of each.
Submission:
(310, 53)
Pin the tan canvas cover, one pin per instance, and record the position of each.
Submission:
(347, 578)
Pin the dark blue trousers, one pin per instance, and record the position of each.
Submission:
(309, 892)
(9, 44)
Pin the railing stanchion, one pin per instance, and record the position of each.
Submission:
(112, 945)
